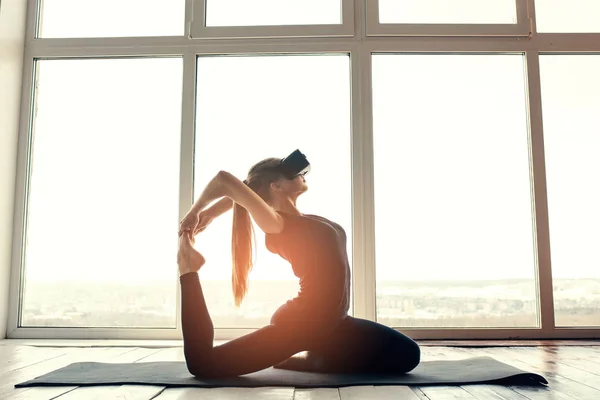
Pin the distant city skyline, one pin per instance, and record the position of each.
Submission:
(509, 303)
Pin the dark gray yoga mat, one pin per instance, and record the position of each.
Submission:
(175, 374)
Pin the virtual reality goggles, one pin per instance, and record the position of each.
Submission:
(293, 165)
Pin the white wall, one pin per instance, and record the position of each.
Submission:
(12, 34)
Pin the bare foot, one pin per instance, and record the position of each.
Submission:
(188, 258)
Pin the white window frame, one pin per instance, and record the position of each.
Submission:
(375, 28)
(199, 30)
(360, 47)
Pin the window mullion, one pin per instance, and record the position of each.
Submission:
(33, 20)
(189, 15)
(524, 17)
(17, 276)
(186, 170)
(540, 199)
(363, 205)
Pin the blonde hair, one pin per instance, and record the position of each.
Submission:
(259, 178)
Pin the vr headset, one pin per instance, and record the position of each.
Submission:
(293, 165)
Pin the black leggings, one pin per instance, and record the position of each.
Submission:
(349, 345)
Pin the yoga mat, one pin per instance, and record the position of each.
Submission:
(175, 374)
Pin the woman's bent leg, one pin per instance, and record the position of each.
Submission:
(362, 346)
(197, 327)
(250, 353)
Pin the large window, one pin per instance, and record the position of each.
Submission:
(567, 16)
(111, 18)
(271, 18)
(103, 194)
(444, 11)
(455, 142)
(447, 18)
(272, 12)
(251, 108)
(571, 100)
(452, 196)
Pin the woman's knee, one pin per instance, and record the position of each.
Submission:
(398, 353)
(205, 368)
(413, 355)
(406, 354)
(199, 364)
(193, 367)
(390, 350)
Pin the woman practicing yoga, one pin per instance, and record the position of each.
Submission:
(316, 320)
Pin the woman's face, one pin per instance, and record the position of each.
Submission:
(294, 186)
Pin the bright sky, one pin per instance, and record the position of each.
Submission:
(451, 169)
(446, 11)
(552, 15)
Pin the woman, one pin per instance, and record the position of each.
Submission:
(315, 321)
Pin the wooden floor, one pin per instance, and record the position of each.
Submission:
(573, 372)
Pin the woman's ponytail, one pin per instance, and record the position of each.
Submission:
(242, 237)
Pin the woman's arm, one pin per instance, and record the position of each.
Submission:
(214, 190)
(220, 207)
(225, 184)
(197, 219)
(206, 217)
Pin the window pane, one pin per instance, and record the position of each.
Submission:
(567, 16)
(251, 108)
(272, 12)
(570, 98)
(104, 190)
(454, 244)
(111, 18)
(447, 12)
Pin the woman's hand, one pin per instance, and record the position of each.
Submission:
(194, 223)
(204, 219)
(189, 223)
